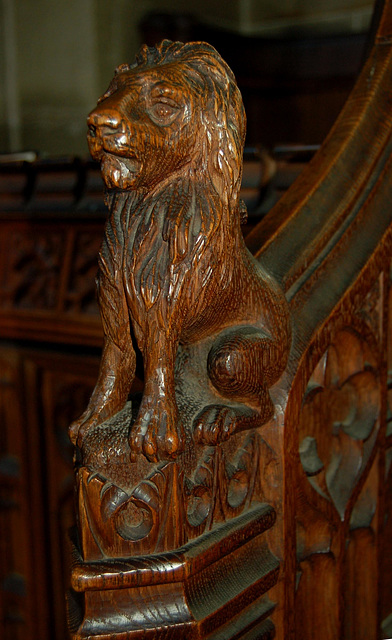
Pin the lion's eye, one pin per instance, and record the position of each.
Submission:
(162, 110)
(163, 113)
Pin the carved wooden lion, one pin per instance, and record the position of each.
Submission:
(174, 272)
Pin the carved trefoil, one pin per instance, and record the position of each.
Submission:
(169, 486)
(336, 517)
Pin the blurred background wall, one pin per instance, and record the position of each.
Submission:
(57, 57)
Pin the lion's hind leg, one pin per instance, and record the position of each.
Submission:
(242, 365)
(216, 423)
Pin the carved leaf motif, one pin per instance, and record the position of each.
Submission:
(34, 270)
(244, 471)
(202, 488)
(339, 419)
(117, 523)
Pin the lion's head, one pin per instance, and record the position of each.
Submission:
(176, 108)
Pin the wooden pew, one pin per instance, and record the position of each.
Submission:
(294, 536)
(328, 241)
(52, 217)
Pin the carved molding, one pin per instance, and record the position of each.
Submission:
(144, 586)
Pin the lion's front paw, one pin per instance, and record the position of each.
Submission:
(92, 417)
(157, 433)
(216, 423)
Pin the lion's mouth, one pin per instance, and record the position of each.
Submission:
(118, 171)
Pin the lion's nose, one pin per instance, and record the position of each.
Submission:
(105, 120)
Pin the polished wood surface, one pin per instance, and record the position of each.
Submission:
(317, 458)
(286, 528)
(52, 218)
(328, 241)
(182, 466)
(175, 275)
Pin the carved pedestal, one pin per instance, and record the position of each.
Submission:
(213, 587)
(177, 545)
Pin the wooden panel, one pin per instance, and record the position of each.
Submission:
(47, 287)
(329, 241)
(37, 485)
(18, 619)
(56, 389)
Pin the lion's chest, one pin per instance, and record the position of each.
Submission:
(165, 292)
(153, 285)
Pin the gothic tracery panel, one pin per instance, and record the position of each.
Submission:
(337, 523)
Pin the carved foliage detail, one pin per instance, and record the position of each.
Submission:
(34, 267)
(224, 485)
(336, 524)
(119, 523)
(339, 420)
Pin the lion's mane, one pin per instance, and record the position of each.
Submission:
(196, 203)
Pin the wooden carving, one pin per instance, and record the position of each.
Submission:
(181, 471)
(174, 270)
(247, 493)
